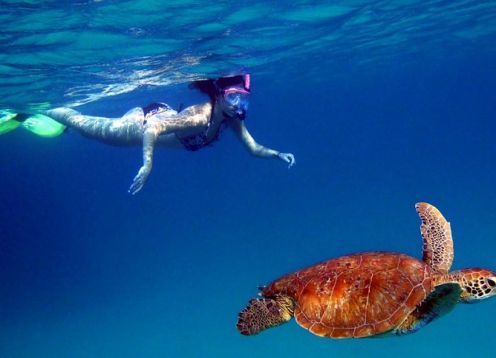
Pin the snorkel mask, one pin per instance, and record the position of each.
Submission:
(236, 95)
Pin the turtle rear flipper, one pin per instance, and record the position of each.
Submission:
(264, 313)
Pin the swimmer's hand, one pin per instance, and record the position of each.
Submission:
(139, 180)
(288, 158)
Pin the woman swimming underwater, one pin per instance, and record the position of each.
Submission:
(192, 128)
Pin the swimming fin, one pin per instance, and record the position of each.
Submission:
(43, 126)
(7, 121)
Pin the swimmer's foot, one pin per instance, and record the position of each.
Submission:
(21, 117)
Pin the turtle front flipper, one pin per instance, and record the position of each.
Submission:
(436, 234)
(441, 301)
(264, 313)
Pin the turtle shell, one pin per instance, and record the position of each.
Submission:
(355, 296)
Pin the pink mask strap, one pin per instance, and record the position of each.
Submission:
(235, 90)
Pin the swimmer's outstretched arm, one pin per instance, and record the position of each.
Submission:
(149, 138)
(257, 149)
(163, 123)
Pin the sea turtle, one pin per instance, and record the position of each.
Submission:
(373, 293)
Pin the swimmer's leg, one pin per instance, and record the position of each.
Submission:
(90, 126)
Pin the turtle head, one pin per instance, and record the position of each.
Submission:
(477, 284)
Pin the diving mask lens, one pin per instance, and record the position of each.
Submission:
(237, 100)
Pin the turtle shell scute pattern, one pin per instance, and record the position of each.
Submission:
(355, 296)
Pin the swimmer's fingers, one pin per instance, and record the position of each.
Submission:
(288, 158)
(136, 186)
(139, 181)
(292, 160)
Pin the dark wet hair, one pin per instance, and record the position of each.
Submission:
(213, 87)
(206, 86)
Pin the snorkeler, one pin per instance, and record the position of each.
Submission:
(192, 128)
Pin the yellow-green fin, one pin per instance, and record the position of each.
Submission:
(7, 122)
(43, 126)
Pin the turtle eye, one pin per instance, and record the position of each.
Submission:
(491, 282)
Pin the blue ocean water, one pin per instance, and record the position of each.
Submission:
(383, 103)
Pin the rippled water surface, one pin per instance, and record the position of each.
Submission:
(70, 53)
